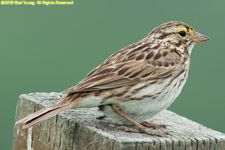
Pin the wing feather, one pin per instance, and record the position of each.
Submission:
(119, 70)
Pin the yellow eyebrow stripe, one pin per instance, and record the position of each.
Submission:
(181, 29)
(192, 32)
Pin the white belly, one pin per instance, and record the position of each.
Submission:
(141, 110)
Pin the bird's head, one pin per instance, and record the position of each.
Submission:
(177, 34)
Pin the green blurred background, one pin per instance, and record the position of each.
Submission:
(51, 48)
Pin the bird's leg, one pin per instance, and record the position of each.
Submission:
(141, 128)
(152, 125)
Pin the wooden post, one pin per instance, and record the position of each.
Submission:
(78, 129)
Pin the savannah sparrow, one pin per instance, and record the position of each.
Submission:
(135, 83)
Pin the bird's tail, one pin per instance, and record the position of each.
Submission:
(46, 113)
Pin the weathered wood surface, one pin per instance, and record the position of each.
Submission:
(79, 130)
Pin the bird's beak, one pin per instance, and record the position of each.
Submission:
(199, 38)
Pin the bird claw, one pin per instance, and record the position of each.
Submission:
(152, 125)
(127, 129)
(154, 133)
(142, 130)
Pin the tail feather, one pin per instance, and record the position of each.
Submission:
(44, 114)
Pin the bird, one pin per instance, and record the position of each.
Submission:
(135, 83)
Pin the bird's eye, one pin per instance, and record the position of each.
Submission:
(182, 33)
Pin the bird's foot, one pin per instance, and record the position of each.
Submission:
(154, 133)
(143, 130)
(128, 129)
(152, 125)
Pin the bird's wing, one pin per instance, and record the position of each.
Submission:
(115, 73)
(108, 77)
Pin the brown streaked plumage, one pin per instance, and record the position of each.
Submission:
(136, 82)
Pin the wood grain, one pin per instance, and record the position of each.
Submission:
(79, 130)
